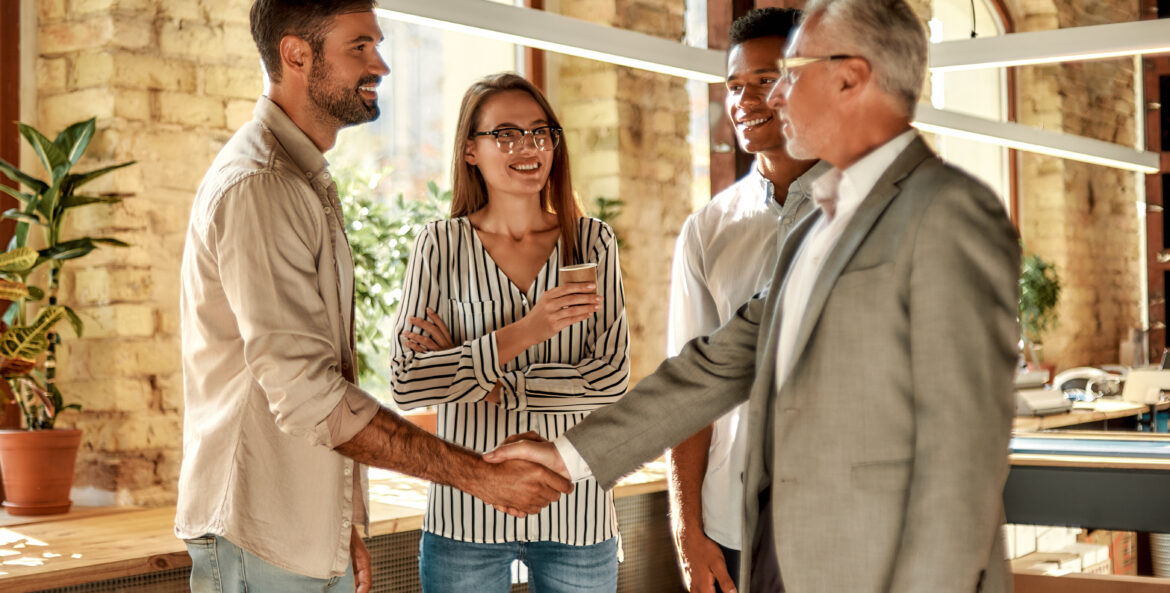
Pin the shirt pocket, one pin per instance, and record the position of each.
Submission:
(472, 319)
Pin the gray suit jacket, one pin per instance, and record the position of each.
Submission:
(886, 447)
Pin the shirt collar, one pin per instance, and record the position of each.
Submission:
(859, 179)
(800, 186)
(296, 143)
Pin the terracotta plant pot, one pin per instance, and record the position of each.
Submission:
(37, 466)
(424, 419)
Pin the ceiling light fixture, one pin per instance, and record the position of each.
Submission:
(557, 33)
(1027, 138)
(1073, 44)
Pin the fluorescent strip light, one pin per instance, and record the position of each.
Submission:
(561, 34)
(1047, 47)
(1021, 137)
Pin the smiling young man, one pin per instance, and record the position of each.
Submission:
(276, 433)
(725, 254)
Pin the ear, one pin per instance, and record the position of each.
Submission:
(469, 153)
(296, 57)
(854, 75)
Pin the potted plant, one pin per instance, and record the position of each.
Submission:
(1039, 294)
(37, 462)
(381, 237)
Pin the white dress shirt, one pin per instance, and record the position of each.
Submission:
(725, 254)
(853, 185)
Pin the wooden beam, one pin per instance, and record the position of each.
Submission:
(9, 102)
(534, 58)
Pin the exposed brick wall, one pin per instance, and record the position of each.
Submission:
(1082, 217)
(627, 131)
(168, 82)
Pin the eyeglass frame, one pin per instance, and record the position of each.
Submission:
(554, 133)
(786, 66)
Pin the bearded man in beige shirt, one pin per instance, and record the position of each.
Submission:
(277, 433)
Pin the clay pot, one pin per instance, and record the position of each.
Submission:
(37, 466)
(424, 419)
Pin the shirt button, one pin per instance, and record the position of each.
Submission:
(328, 210)
(347, 471)
(325, 175)
(345, 523)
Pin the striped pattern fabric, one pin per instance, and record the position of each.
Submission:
(547, 389)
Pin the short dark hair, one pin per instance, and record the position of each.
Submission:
(763, 22)
(271, 20)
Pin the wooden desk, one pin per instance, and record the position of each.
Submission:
(1083, 413)
(90, 545)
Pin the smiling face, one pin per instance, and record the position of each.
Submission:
(751, 74)
(344, 78)
(522, 173)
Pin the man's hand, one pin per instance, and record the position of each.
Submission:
(362, 573)
(702, 561)
(531, 447)
(536, 451)
(520, 488)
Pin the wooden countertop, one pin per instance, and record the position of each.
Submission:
(1102, 409)
(90, 544)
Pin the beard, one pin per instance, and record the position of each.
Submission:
(337, 101)
(796, 147)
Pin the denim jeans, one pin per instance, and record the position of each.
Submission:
(219, 566)
(451, 566)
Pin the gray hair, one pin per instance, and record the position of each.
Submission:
(885, 32)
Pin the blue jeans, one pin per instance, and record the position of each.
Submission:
(451, 566)
(219, 566)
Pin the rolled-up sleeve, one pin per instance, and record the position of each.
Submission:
(265, 232)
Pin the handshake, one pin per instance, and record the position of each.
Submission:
(523, 475)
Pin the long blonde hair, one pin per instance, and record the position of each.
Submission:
(469, 191)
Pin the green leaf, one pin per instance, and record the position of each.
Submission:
(48, 202)
(109, 241)
(18, 260)
(69, 249)
(74, 200)
(51, 156)
(29, 342)
(74, 321)
(36, 293)
(19, 176)
(15, 214)
(20, 196)
(75, 139)
(80, 179)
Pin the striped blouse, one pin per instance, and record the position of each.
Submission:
(548, 388)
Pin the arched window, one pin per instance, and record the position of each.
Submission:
(983, 93)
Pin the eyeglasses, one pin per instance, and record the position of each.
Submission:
(509, 139)
(788, 65)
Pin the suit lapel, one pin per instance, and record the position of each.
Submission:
(871, 208)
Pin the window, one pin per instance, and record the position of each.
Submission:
(982, 93)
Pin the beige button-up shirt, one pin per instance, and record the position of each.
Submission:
(268, 358)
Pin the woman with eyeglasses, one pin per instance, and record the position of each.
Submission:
(501, 347)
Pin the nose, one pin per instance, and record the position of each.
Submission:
(526, 143)
(379, 66)
(752, 95)
(776, 97)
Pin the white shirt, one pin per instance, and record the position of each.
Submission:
(725, 255)
(854, 184)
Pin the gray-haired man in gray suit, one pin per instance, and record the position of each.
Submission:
(879, 368)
